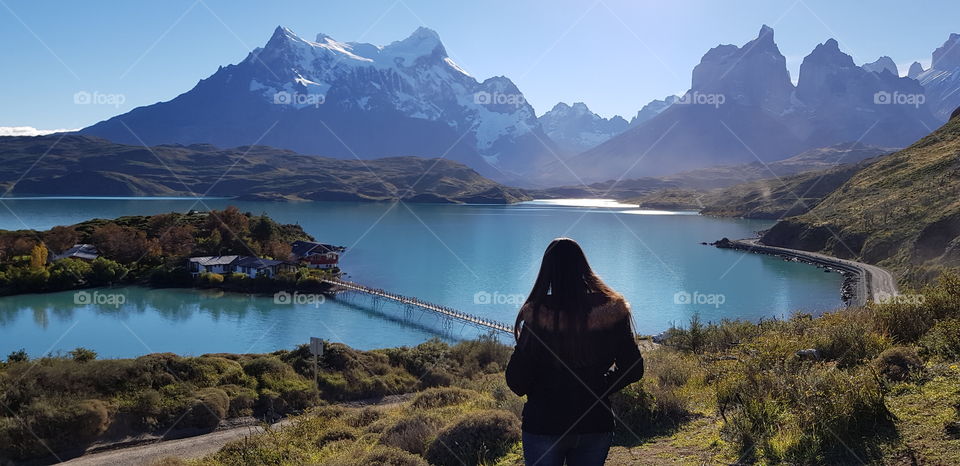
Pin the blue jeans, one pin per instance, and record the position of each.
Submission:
(574, 449)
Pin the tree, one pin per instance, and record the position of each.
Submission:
(277, 250)
(160, 223)
(69, 273)
(123, 244)
(263, 229)
(177, 240)
(61, 238)
(19, 355)
(233, 226)
(38, 257)
(105, 271)
(22, 245)
(81, 354)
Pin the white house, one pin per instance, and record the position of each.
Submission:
(247, 265)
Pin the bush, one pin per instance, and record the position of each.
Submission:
(646, 410)
(81, 354)
(846, 338)
(475, 439)
(897, 363)
(211, 279)
(942, 341)
(208, 408)
(440, 396)
(805, 415)
(19, 355)
(55, 425)
(411, 433)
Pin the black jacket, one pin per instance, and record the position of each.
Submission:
(572, 397)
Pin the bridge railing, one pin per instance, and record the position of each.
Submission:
(410, 300)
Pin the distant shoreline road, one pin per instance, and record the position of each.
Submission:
(870, 282)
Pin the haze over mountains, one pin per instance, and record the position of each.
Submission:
(354, 100)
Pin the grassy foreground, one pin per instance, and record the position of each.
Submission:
(876, 385)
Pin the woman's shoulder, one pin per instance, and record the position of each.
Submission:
(605, 311)
(615, 309)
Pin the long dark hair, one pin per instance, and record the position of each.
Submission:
(572, 289)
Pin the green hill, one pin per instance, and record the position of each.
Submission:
(902, 211)
(85, 166)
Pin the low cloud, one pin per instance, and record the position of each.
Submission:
(29, 131)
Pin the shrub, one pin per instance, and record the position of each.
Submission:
(336, 433)
(477, 438)
(81, 354)
(942, 341)
(55, 425)
(19, 355)
(211, 279)
(208, 408)
(846, 338)
(364, 417)
(897, 363)
(805, 415)
(440, 396)
(671, 367)
(411, 433)
(639, 409)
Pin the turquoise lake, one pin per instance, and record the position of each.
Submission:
(480, 259)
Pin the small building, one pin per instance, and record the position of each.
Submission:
(86, 252)
(247, 265)
(316, 255)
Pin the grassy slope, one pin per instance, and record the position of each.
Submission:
(80, 165)
(771, 198)
(682, 190)
(904, 209)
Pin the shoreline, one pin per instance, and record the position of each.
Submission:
(863, 283)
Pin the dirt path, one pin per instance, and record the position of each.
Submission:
(187, 448)
(200, 445)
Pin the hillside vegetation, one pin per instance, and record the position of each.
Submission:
(902, 211)
(151, 250)
(769, 198)
(88, 166)
(875, 385)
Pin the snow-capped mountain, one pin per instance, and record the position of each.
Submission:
(347, 100)
(652, 109)
(942, 81)
(576, 129)
(742, 107)
(882, 64)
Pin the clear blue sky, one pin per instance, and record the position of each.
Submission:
(614, 55)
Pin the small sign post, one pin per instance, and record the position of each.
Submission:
(316, 349)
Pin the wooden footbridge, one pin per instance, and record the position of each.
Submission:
(412, 302)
